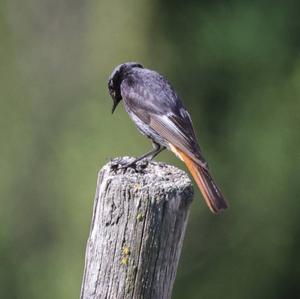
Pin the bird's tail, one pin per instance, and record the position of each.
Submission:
(210, 191)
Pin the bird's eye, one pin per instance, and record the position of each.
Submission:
(112, 92)
(110, 84)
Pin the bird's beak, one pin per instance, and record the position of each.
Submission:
(114, 106)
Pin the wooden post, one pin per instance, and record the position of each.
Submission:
(137, 231)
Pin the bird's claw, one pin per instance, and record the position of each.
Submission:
(137, 166)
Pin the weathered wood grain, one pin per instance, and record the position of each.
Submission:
(137, 230)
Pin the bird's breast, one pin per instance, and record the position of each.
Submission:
(145, 129)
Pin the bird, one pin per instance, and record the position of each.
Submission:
(159, 114)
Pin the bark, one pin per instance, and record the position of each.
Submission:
(137, 230)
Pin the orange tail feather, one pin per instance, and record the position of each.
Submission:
(210, 191)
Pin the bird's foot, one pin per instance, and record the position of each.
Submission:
(137, 166)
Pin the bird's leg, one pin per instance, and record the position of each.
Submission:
(150, 155)
(158, 148)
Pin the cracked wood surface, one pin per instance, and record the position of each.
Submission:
(137, 230)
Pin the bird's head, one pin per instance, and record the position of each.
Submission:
(116, 78)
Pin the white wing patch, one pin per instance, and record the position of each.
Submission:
(172, 132)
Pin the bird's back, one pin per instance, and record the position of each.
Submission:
(151, 101)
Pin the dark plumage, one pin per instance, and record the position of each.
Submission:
(158, 113)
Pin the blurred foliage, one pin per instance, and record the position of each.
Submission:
(236, 65)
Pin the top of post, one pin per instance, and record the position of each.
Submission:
(151, 174)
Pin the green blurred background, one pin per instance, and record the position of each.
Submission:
(236, 65)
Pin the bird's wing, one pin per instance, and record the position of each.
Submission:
(179, 132)
(155, 103)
